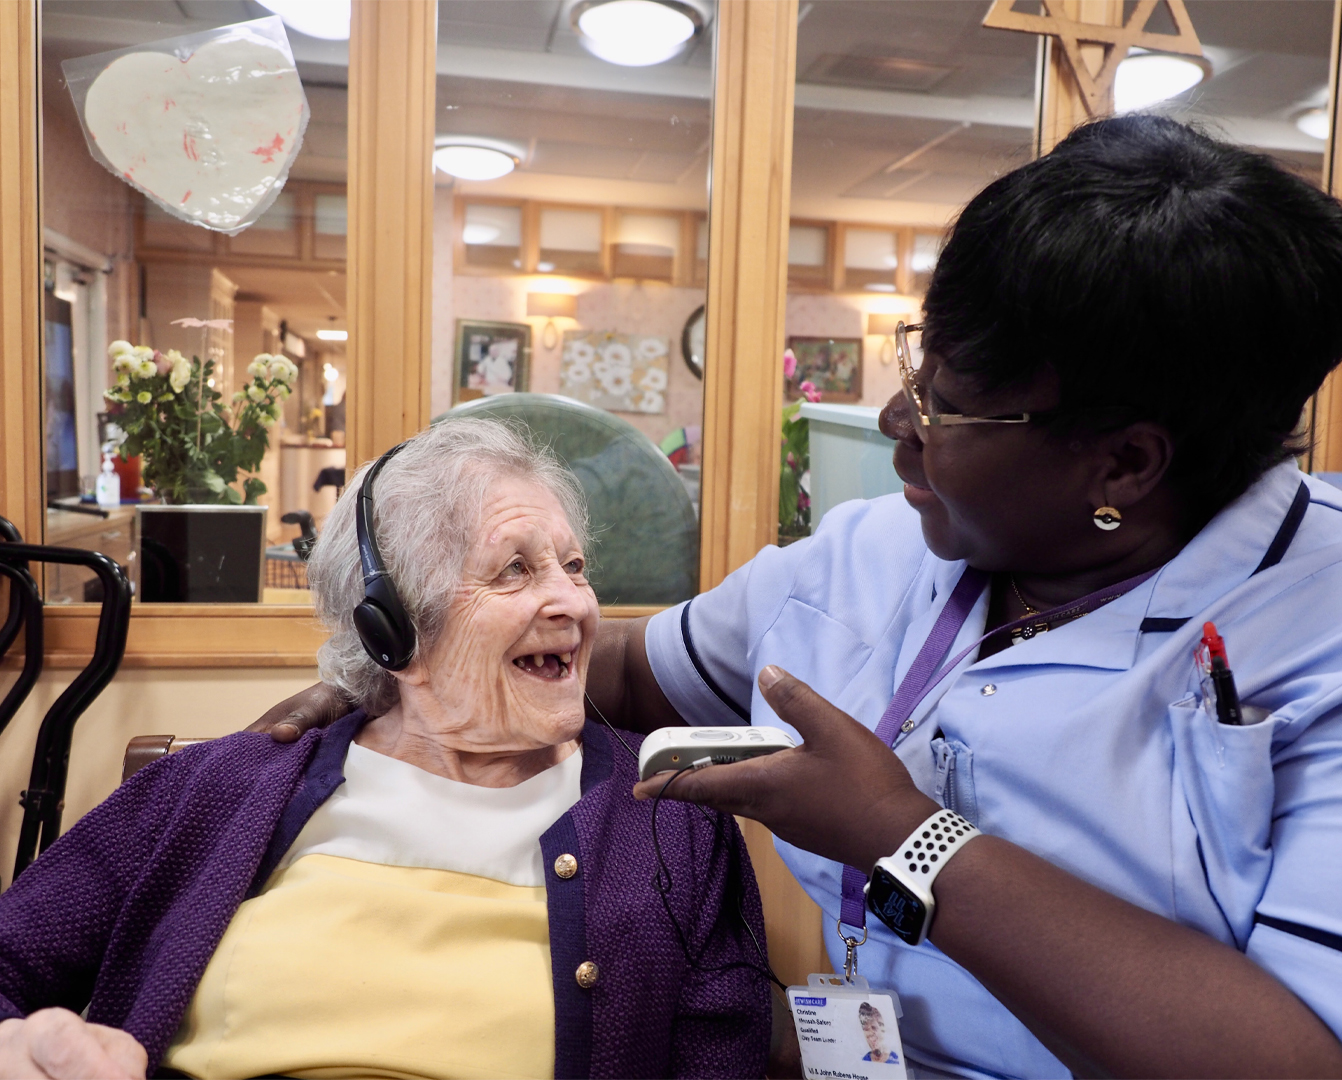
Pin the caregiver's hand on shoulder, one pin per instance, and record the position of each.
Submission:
(317, 706)
(56, 1044)
(842, 794)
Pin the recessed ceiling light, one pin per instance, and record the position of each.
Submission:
(333, 335)
(1314, 123)
(635, 33)
(327, 19)
(473, 162)
(1143, 79)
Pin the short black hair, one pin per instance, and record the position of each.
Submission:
(1163, 275)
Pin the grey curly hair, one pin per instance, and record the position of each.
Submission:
(428, 504)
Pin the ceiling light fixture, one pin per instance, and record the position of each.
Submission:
(1145, 78)
(635, 33)
(327, 19)
(333, 335)
(1314, 123)
(469, 157)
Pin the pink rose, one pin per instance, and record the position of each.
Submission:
(789, 364)
(161, 362)
(809, 391)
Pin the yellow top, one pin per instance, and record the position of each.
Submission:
(358, 960)
(344, 968)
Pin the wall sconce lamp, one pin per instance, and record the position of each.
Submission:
(551, 306)
(884, 325)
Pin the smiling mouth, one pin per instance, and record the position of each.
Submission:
(546, 665)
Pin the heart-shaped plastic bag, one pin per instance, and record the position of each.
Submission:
(207, 124)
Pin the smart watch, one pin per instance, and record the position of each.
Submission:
(899, 892)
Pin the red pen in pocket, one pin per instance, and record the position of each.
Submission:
(1212, 660)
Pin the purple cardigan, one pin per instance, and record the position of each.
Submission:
(123, 912)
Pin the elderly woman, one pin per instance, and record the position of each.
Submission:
(452, 881)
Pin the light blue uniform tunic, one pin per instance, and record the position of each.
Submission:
(1086, 745)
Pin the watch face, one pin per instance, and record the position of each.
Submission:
(895, 906)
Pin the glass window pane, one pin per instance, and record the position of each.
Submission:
(123, 266)
(903, 111)
(568, 288)
(1269, 78)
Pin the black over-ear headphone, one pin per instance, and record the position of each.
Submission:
(381, 620)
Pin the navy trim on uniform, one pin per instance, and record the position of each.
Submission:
(1290, 525)
(568, 947)
(1309, 933)
(703, 671)
(1155, 625)
(1286, 533)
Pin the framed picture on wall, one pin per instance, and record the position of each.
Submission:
(491, 358)
(833, 365)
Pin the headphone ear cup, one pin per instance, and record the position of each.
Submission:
(383, 636)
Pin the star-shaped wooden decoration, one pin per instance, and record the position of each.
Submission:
(1116, 40)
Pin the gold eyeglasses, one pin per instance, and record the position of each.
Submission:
(926, 415)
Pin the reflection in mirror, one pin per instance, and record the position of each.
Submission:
(903, 112)
(125, 264)
(1268, 87)
(571, 261)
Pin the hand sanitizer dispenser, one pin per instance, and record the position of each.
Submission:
(108, 490)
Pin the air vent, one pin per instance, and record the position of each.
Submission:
(878, 72)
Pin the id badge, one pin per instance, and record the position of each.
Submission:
(847, 1030)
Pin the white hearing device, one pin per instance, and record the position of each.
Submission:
(674, 748)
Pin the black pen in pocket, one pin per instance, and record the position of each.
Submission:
(1218, 680)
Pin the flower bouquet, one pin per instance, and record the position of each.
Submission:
(794, 479)
(193, 445)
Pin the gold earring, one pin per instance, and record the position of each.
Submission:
(1107, 518)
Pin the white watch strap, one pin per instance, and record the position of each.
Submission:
(929, 848)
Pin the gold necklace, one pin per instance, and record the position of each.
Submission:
(1016, 589)
(1030, 630)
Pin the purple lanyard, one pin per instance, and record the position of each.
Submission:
(924, 674)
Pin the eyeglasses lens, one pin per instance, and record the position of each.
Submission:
(917, 417)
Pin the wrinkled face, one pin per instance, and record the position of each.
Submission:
(874, 1030)
(509, 670)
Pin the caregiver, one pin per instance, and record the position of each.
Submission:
(1097, 455)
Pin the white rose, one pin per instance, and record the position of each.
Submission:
(180, 374)
(118, 347)
(653, 379)
(124, 364)
(650, 348)
(256, 394)
(618, 355)
(145, 368)
(580, 352)
(143, 352)
(282, 392)
(258, 367)
(281, 370)
(267, 421)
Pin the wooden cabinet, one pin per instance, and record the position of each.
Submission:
(114, 536)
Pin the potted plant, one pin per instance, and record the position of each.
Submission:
(196, 451)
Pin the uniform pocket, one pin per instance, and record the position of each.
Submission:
(1227, 780)
(954, 787)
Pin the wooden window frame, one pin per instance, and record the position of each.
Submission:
(389, 262)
